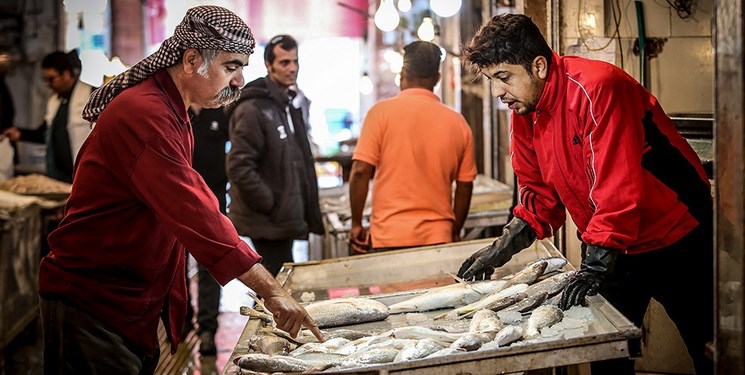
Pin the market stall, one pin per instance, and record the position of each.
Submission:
(490, 204)
(387, 278)
(20, 223)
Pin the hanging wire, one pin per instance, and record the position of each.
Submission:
(617, 22)
(682, 7)
(582, 37)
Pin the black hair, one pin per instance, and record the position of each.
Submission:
(285, 42)
(61, 62)
(506, 38)
(422, 63)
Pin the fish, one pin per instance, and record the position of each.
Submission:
(454, 295)
(420, 333)
(508, 335)
(369, 357)
(329, 346)
(480, 304)
(553, 264)
(420, 349)
(485, 321)
(500, 304)
(321, 360)
(528, 303)
(253, 313)
(529, 274)
(542, 316)
(344, 311)
(446, 351)
(271, 363)
(270, 344)
(552, 285)
(483, 328)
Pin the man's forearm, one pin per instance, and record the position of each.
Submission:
(262, 282)
(359, 182)
(461, 204)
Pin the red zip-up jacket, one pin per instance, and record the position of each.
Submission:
(136, 202)
(600, 145)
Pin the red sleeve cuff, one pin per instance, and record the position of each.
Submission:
(234, 264)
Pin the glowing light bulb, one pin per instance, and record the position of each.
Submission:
(366, 85)
(404, 5)
(445, 8)
(426, 30)
(386, 17)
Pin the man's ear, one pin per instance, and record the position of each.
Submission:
(540, 67)
(191, 60)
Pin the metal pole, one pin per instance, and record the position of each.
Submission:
(729, 165)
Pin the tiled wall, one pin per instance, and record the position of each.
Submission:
(682, 76)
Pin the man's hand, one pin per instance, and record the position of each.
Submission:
(359, 240)
(13, 134)
(290, 316)
(516, 235)
(597, 265)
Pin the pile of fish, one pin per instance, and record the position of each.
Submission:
(501, 312)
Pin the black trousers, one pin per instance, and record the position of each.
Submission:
(681, 278)
(77, 343)
(208, 301)
(274, 252)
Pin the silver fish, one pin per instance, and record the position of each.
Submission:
(329, 346)
(343, 311)
(508, 335)
(529, 303)
(553, 264)
(445, 351)
(552, 285)
(473, 340)
(480, 304)
(369, 357)
(420, 333)
(529, 274)
(453, 295)
(271, 363)
(270, 344)
(542, 316)
(420, 349)
(501, 303)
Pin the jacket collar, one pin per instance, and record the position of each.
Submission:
(278, 93)
(175, 101)
(554, 87)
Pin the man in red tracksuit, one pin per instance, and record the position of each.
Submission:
(589, 139)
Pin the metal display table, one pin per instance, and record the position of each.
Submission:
(387, 277)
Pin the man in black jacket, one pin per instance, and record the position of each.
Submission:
(274, 189)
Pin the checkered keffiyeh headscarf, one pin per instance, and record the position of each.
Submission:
(208, 27)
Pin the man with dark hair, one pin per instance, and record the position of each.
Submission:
(274, 188)
(116, 265)
(64, 130)
(412, 206)
(587, 138)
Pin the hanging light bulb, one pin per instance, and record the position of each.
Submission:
(445, 8)
(426, 30)
(404, 5)
(386, 17)
(366, 85)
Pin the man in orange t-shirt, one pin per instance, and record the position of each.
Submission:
(417, 147)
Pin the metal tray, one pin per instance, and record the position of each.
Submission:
(394, 276)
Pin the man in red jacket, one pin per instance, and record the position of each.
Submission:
(589, 139)
(116, 264)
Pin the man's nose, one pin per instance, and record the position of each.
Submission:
(238, 81)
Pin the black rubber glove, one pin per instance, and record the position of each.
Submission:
(516, 235)
(597, 264)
